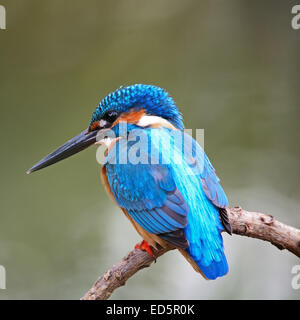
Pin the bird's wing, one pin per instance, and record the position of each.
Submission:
(149, 195)
(211, 185)
(203, 168)
(210, 182)
(215, 193)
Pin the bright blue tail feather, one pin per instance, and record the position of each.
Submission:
(215, 269)
(208, 254)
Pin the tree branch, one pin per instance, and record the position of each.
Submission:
(251, 224)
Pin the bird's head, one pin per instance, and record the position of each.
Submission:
(139, 105)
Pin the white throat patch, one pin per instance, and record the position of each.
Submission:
(154, 121)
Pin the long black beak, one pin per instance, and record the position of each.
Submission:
(76, 144)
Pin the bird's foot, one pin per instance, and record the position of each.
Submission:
(144, 246)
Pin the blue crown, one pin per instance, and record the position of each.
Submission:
(154, 100)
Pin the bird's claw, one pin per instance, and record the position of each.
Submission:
(144, 246)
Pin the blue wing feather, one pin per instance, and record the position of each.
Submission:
(148, 193)
(173, 196)
(211, 185)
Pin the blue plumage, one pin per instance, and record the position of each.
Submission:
(174, 194)
(155, 100)
(167, 187)
(166, 197)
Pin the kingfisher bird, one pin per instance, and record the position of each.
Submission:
(171, 194)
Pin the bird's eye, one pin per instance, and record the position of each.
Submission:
(110, 116)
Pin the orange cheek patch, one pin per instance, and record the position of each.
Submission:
(94, 125)
(130, 117)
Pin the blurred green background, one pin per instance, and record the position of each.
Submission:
(233, 69)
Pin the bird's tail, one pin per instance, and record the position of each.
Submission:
(215, 269)
(210, 272)
(205, 252)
